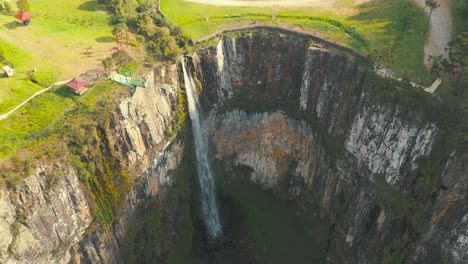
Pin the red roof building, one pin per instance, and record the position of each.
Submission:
(77, 85)
(456, 68)
(23, 16)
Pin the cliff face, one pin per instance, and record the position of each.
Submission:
(309, 123)
(53, 223)
(309, 120)
(37, 221)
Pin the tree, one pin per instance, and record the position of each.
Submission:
(456, 66)
(107, 63)
(146, 26)
(23, 5)
(458, 54)
(7, 6)
(119, 28)
(1, 6)
(458, 50)
(433, 5)
(120, 57)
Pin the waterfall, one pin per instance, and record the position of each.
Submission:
(204, 171)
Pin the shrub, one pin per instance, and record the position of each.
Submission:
(107, 63)
(23, 5)
(121, 57)
(7, 6)
(119, 27)
(129, 68)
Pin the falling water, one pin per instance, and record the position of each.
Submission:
(205, 173)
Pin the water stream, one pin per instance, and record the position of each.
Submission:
(204, 170)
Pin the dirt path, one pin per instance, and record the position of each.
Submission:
(441, 26)
(5, 116)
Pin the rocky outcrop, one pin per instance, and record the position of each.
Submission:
(381, 140)
(308, 120)
(39, 224)
(44, 222)
(104, 246)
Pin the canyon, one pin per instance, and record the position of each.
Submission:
(309, 124)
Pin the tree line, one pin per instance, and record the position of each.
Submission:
(163, 39)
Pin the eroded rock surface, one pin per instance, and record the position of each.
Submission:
(306, 119)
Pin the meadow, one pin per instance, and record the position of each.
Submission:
(49, 49)
(377, 26)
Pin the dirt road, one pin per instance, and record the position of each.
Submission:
(440, 31)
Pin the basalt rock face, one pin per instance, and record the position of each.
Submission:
(42, 222)
(306, 120)
(105, 245)
(306, 123)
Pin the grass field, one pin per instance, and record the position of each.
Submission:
(17, 89)
(59, 33)
(52, 45)
(392, 25)
(39, 117)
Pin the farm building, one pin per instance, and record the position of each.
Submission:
(78, 85)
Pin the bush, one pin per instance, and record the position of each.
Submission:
(121, 57)
(119, 28)
(7, 6)
(107, 63)
(129, 68)
(23, 5)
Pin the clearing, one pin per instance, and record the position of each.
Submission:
(53, 47)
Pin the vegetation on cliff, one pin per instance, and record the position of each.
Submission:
(165, 230)
(77, 137)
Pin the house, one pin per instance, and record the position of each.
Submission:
(78, 85)
(8, 71)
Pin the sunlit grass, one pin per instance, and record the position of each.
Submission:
(392, 25)
(51, 46)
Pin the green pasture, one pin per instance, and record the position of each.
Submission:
(382, 25)
(45, 114)
(18, 88)
(51, 46)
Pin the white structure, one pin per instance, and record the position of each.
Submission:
(8, 70)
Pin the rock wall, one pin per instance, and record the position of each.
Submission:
(44, 223)
(306, 119)
(38, 225)
(105, 245)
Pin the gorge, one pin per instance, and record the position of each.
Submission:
(303, 137)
